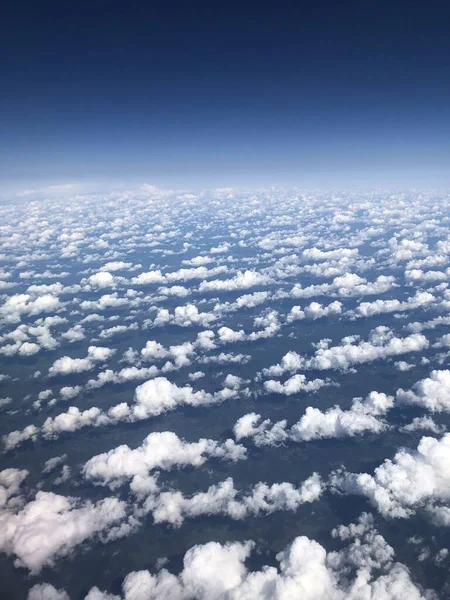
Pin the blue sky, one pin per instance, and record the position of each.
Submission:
(289, 93)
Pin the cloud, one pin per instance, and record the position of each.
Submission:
(51, 526)
(382, 343)
(432, 393)
(265, 433)
(346, 286)
(400, 486)
(316, 424)
(151, 399)
(224, 499)
(363, 567)
(314, 311)
(159, 395)
(183, 316)
(243, 280)
(23, 304)
(294, 385)
(369, 309)
(160, 450)
(45, 591)
(10, 482)
(101, 280)
(67, 365)
(336, 423)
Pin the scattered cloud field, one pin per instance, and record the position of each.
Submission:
(232, 395)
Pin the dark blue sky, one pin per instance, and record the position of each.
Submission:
(316, 92)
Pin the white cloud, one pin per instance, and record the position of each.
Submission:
(316, 424)
(183, 316)
(67, 365)
(369, 309)
(241, 281)
(363, 568)
(314, 311)
(23, 304)
(223, 498)
(432, 393)
(294, 385)
(160, 450)
(382, 343)
(400, 486)
(45, 591)
(50, 526)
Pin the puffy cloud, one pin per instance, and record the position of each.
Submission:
(400, 486)
(159, 395)
(316, 424)
(200, 272)
(50, 526)
(117, 265)
(362, 568)
(52, 463)
(15, 438)
(151, 399)
(432, 393)
(5, 401)
(184, 316)
(67, 365)
(23, 304)
(228, 335)
(45, 591)
(294, 385)
(316, 254)
(104, 302)
(241, 281)
(160, 450)
(369, 309)
(68, 392)
(346, 286)
(336, 422)
(421, 424)
(314, 311)
(70, 421)
(223, 498)
(265, 433)
(149, 278)
(382, 343)
(420, 275)
(74, 334)
(101, 280)
(10, 481)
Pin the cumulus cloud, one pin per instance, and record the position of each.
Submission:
(382, 343)
(224, 498)
(243, 280)
(314, 311)
(151, 399)
(100, 280)
(400, 486)
(183, 316)
(294, 385)
(363, 567)
(346, 286)
(369, 309)
(160, 450)
(335, 422)
(432, 393)
(51, 526)
(24, 304)
(364, 415)
(45, 591)
(67, 365)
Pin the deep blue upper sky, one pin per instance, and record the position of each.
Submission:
(316, 92)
